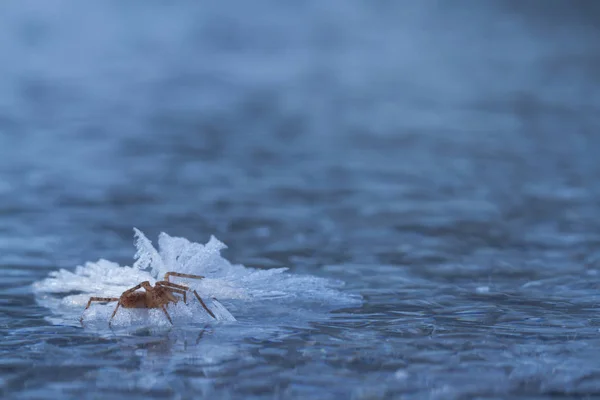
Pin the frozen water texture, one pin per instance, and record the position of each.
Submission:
(249, 292)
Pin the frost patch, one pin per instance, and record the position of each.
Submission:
(230, 291)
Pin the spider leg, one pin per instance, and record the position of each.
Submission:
(167, 283)
(102, 299)
(113, 314)
(146, 285)
(136, 287)
(167, 314)
(182, 275)
(99, 299)
(181, 289)
(171, 273)
(204, 305)
(173, 290)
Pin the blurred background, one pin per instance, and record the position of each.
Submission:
(439, 157)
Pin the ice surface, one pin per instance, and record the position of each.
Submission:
(249, 292)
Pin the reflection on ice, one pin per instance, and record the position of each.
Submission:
(248, 292)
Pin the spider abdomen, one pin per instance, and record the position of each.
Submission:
(134, 300)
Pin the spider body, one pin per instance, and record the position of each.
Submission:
(158, 296)
(153, 297)
(136, 300)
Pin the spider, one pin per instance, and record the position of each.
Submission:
(157, 296)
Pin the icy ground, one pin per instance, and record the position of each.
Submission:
(227, 289)
(440, 158)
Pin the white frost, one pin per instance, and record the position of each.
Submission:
(146, 255)
(249, 292)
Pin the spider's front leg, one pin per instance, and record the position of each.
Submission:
(98, 299)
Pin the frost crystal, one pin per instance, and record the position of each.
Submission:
(178, 254)
(146, 255)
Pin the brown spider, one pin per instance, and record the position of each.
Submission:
(157, 296)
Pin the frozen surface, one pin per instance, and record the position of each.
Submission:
(267, 293)
(438, 157)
